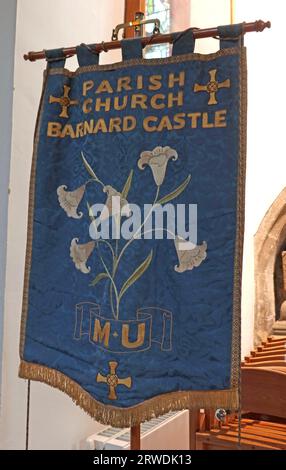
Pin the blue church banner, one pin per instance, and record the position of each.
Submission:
(131, 300)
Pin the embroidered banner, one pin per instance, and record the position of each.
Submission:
(132, 283)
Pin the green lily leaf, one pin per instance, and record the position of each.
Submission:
(98, 278)
(127, 185)
(137, 274)
(88, 167)
(176, 192)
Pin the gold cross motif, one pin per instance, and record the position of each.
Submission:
(65, 101)
(212, 86)
(112, 380)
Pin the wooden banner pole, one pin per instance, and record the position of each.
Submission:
(135, 438)
(155, 39)
(132, 8)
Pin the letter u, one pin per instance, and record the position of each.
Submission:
(140, 336)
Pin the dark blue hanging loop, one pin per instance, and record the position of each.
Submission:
(184, 42)
(131, 49)
(86, 56)
(231, 35)
(55, 58)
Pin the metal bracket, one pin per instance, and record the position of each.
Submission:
(136, 24)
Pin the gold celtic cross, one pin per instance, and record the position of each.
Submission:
(112, 380)
(65, 101)
(212, 86)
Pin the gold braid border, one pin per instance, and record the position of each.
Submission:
(29, 243)
(161, 404)
(240, 206)
(125, 417)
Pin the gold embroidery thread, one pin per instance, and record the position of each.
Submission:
(64, 101)
(212, 87)
(112, 380)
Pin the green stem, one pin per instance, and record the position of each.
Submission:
(111, 286)
(95, 180)
(112, 282)
(111, 299)
(113, 272)
(132, 240)
(101, 240)
(139, 228)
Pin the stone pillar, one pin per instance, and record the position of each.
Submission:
(283, 256)
(279, 327)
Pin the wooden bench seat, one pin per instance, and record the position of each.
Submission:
(255, 435)
(263, 385)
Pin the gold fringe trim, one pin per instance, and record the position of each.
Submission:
(126, 417)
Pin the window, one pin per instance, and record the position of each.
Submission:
(174, 15)
(160, 9)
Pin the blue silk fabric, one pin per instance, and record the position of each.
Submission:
(175, 327)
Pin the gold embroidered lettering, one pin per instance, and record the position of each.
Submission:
(139, 100)
(155, 82)
(115, 125)
(129, 123)
(86, 86)
(54, 129)
(86, 106)
(179, 119)
(173, 79)
(139, 82)
(220, 118)
(154, 101)
(100, 126)
(140, 336)
(88, 127)
(124, 84)
(79, 130)
(68, 131)
(194, 119)
(165, 124)
(101, 335)
(99, 103)
(179, 99)
(104, 87)
(117, 104)
(205, 123)
(147, 123)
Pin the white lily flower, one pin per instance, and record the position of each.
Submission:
(157, 159)
(115, 204)
(70, 200)
(189, 255)
(80, 254)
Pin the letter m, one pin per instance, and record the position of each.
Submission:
(101, 334)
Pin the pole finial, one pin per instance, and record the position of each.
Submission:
(261, 25)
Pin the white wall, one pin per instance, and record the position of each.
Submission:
(7, 44)
(266, 154)
(55, 422)
(206, 14)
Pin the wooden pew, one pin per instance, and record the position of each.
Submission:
(263, 377)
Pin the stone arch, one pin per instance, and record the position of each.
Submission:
(268, 241)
